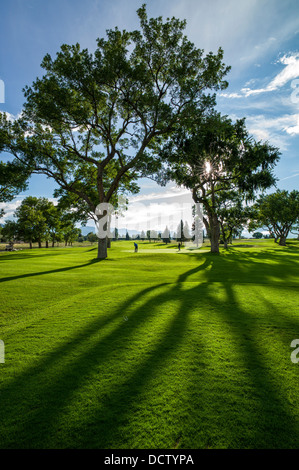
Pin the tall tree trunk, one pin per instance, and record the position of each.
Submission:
(215, 233)
(213, 221)
(47, 244)
(30, 245)
(282, 241)
(102, 248)
(39, 243)
(102, 242)
(53, 243)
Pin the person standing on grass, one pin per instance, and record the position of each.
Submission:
(136, 247)
(179, 246)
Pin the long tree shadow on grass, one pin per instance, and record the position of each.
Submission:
(39, 412)
(36, 253)
(37, 420)
(246, 405)
(260, 417)
(268, 420)
(52, 271)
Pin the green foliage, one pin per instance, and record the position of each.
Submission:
(279, 212)
(94, 121)
(257, 235)
(38, 219)
(180, 232)
(31, 219)
(91, 237)
(233, 214)
(213, 155)
(9, 232)
(13, 179)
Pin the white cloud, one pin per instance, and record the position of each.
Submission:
(272, 129)
(293, 130)
(290, 72)
(231, 95)
(9, 209)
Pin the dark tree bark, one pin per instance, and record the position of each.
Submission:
(102, 248)
(282, 241)
(215, 234)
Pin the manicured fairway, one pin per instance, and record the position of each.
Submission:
(149, 350)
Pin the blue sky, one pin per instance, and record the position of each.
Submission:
(260, 39)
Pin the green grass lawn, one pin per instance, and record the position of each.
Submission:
(150, 350)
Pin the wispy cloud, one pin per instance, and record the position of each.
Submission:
(232, 95)
(293, 130)
(289, 177)
(289, 72)
(274, 129)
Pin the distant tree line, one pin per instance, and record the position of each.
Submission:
(38, 220)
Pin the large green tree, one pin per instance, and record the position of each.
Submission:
(31, 220)
(92, 120)
(279, 212)
(214, 155)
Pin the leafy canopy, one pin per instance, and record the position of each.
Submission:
(279, 212)
(92, 121)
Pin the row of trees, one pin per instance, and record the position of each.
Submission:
(39, 220)
(182, 234)
(142, 105)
